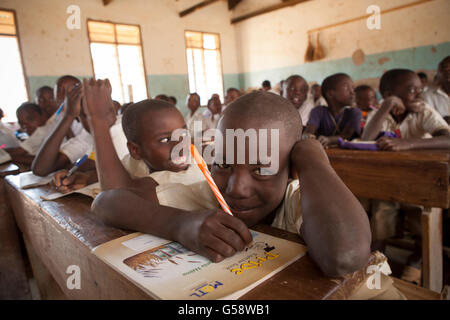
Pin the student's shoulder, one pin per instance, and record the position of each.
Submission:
(354, 111)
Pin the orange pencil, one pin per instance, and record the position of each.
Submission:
(204, 169)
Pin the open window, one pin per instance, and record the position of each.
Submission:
(116, 51)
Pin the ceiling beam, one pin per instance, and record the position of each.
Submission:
(196, 7)
(106, 2)
(284, 4)
(233, 3)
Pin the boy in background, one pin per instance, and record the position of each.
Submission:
(366, 101)
(295, 89)
(339, 119)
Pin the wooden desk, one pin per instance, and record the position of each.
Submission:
(13, 278)
(62, 233)
(419, 177)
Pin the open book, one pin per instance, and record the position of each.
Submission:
(91, 190)
(166, 270)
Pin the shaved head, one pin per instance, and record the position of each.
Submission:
(265, 109)
(134, 113)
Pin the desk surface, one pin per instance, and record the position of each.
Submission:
(8, 168)
(63, 232)
(418, 177)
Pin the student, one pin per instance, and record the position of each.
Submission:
(316, 93)
(46, 100)
(405, 111)
(213, 112)
(266, 85)
(162, 97)
(30, 117)
(31, 120)
(54, 154)
(438, 97)
(295, 89)
(339, 119)
(195, 112)
(117, 106)
(366, 101)
(29, 148)
(232, 94)
(7, 136)
(338, 236)
(424, 80)
(173, 100)
(124, 107)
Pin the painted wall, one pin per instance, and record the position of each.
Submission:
(50, 49)
(272, 46)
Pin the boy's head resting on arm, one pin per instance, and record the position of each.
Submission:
(404, 84)
(251, 191)
(46, 100)
(30, 117)
(295, 89)
(148, 126)
(62, 86)
(337, 90)
(366, 98)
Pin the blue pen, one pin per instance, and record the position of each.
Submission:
(76, 166)
(62, 104)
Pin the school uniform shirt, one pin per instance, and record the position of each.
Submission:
(138, 169)
(305, 111)
(34, 142)
(328, 125)
(190, 120)
(416, 125)
(321, 102)
(7, 137)
(119, 139)
(439, 100)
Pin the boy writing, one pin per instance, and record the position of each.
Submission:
(339, 119)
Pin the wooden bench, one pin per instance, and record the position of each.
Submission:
(419, 177)
(63, 232)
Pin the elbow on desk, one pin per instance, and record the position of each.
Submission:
(37, 170)
(339, 264)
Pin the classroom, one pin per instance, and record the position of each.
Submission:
(224, 149)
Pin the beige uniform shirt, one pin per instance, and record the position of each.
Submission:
(416, 125)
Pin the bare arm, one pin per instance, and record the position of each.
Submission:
(110, 171)
(49, 158)
(335, 226)
(440, 140)
(373, 127)
(19, 155)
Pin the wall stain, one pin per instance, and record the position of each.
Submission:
(433, 49)
(382, 61)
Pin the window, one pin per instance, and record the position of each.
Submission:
(204, 64)
(13, 90)
(116, 52)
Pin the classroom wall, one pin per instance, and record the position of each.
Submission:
(50, 49)
(272, 46)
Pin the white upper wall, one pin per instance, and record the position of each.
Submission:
(50, 48)
(279, 38)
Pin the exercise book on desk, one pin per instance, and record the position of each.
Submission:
(30, 180)
(91, 190)
(166, 270)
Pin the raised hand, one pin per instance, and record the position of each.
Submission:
(73, 102)
(213, 234)
(98, 104)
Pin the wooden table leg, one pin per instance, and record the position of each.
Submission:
(13, 279)
(432, 249)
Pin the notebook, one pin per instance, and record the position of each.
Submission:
(166, 270)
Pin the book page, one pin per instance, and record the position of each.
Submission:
(29, 180)
(91, 190)
(166, 270)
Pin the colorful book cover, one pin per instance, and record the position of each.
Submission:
(166, 270)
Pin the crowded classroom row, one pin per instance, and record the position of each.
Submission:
(246, 157)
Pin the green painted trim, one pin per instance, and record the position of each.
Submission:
(419, 58)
